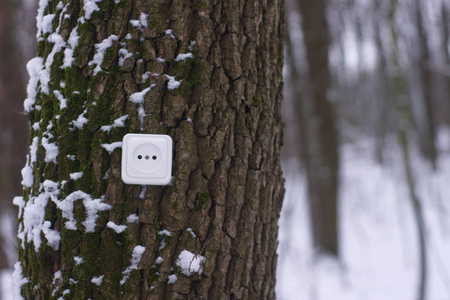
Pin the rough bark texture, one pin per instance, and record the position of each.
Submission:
(224, 119)
(323, 157)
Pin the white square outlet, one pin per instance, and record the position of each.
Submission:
(147, 159)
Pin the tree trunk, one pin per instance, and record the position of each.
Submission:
(404, 116)
(426, 123)
(207, 73)
(13, 125)
(323, 158)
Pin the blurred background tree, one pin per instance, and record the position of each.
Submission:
(16, 47)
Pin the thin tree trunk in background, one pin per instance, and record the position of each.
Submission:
(446, 42)
(385, 97)
(13, 125)
(400, 93)
(209, 74)
(298, 98)
(427, 127)
(323, 158)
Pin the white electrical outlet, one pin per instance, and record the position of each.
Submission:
(147, 159)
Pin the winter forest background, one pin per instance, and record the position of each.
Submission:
(366, 150)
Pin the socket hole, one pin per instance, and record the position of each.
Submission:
(147, 157)
(139, 156)
(154, 157)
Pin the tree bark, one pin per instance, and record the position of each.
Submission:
(323, 156)
(210, 74)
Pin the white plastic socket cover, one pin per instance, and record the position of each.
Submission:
(147, 159)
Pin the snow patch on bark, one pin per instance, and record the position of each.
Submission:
(172, 279)
(115, 227)
(18, 281)
(135, 259)
(172, 84)
(97, 280)
(111, 147)
(100, 52)
(119, 122)
(190, 263)
(141, 23)
(89, 7)
(132, 219)
(76, 175)
(34, 68)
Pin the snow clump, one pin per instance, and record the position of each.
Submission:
(190, 263)
(135, 259)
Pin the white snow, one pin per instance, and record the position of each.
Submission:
(161, 60)
(115, 227)
(135, 259)
(27, 174)
(169, 32)
(34, 217)
(191, 45)
(172, 279)
(191, 232)
(78, 260)
(68, 52)
(47, 23)
(132, 219)
(36, 126)
(20, 203)
(51, 150)
(123, 55)
(378, 235)
(89, 7)
(40, 17)
(97, 280)
(53, 237)
(183, 57)
(138, 97)
(119, 122)
(141, 115)
(56, 276)
(111, 147)
(165, 232)
(61, 99)
(141, 23)
(80, 121)
(44, 75)
(93, 207)
(159, 260)
(100, 52)
(143, 191)
(34, 68)
(190, 263)
(18, 281)
(145, 76)
(33, 149)
(172, 84)
(76, 175)
(128, 36)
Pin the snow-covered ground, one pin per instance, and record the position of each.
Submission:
(379, 244)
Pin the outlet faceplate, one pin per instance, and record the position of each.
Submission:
(147, 159)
